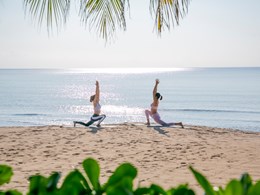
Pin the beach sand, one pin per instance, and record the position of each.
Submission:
(162, 155)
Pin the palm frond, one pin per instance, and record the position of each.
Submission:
(168, 12)
(49, 11)
(104, 15)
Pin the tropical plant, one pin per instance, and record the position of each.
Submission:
(119, 183)
(106, 16)
(6, 173)
(244, 186)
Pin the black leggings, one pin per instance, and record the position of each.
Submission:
(93, 119)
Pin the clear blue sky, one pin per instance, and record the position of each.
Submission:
(213, 34)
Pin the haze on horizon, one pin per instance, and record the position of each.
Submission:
(212, 34)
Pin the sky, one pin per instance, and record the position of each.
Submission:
(213, 34)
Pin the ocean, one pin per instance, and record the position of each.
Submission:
(215, 97)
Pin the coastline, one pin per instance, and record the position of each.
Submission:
(162, 155)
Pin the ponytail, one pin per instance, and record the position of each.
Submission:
(159, 97)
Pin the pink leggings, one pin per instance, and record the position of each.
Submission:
(156, 117)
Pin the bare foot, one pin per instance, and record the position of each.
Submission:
(182, 125)
(148, 124)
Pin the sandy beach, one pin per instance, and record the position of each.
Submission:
(162, 155)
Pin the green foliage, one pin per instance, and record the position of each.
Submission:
(246, 182)
(10, 192)
(42, 185)
(104, 16)
(74, 184)
(92, 170)
(234, 187)
(5, 177)
(203, 182)
(254, 190)
(168, 13)
(120, 183)
(181, 190)
(5, 174)
(124, 171)
(53, 11)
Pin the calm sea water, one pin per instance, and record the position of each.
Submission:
(217, 97)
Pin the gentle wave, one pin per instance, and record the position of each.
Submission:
(30, 114)
(129, 110)
(208, 110)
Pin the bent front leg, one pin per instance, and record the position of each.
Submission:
(102, 117)
(147, 114)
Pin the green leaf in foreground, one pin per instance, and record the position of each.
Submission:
(92, 170)
(38, 184)
(11, 192)
(254, 190)
(203, 182)
(246, 182)
(125, 186)
(53, 181)
(142, 190)
(181, 190)
(5, 174)
(234, 187)
(42, 185)
(155, 189)
(120, 183)
(125, 170)
(75, 183)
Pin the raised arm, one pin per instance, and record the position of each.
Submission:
(155, 88)
(97, 92)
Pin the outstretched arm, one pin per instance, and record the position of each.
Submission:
(155, 88)
(97, 92)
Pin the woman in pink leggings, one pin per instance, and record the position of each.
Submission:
(154, 106)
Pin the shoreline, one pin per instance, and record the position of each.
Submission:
(161, 154)
(153, 124)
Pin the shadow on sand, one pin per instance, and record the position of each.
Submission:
(159, 129)
(94, 130)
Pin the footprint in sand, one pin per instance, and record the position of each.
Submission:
(216, 156)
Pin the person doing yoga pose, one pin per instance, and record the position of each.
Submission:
(154, 106)
(97, 110)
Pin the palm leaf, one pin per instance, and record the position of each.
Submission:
(49, 11)
(168, 12)
(104, 15)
